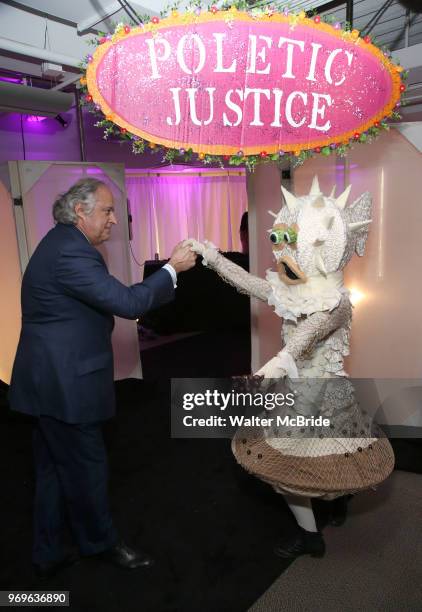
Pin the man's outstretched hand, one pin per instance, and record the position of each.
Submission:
(182, 257)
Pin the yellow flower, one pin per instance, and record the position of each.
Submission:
(355, 33)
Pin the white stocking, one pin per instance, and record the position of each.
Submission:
(302, 510)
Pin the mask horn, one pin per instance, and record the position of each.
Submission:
(320, 265)
(355, 227)
(315, 190)
(289, 199)
(342, 199)
(328, 221)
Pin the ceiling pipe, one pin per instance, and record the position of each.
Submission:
(66, 82)
(33, 100)
(42, 54)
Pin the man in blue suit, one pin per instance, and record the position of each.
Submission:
(63, 372)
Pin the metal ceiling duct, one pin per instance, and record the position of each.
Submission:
(14, 46)
(33, 100)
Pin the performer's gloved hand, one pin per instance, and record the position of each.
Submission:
(279, 366)
(207, 249)
(195, 246)
(272, 369)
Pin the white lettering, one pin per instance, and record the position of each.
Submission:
(226, 399)
(219, 67)
(315, 50)
(253, 55)
(290, 42)
(283, 421)
(192, 105)
(278, 94)
(257, 100)
(181, 50)
(289, 103)
(320, 111)
(176, 101)
(329, 64)
(234, 107)
(152, 42)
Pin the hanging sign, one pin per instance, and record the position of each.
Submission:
(238, 84)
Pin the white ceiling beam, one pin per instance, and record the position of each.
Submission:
(103, 13)
(413, 133)
(409, 57)
(100, 14)
(66, 82)
(14, 46)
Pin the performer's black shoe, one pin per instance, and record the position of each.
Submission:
(301, 543)
(338, 510)
(43, 572)
(123, 556)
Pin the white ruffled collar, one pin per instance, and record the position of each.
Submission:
(316, 295)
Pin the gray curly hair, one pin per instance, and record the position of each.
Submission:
(82, 192)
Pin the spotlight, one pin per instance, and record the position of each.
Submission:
(62, 122)
(356, 296)
(35, 118)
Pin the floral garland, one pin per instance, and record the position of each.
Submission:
(296, 157)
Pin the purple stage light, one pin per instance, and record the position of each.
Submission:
(10, 79)
(35, 118)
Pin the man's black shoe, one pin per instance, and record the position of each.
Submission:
(43, 572)
(301, 543)
(123, 556)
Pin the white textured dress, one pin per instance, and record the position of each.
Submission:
(351, 454)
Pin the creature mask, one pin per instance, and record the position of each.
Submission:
(315, 235)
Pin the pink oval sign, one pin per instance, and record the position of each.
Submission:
(219, 84)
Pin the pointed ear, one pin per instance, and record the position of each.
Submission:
(315, 188)
(359, 211)
(290, 199)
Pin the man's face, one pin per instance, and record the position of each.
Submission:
(97, 225)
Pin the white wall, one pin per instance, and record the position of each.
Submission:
(10, 281)
(386, 340)
(263, 187)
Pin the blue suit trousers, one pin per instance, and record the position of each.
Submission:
(71, 480)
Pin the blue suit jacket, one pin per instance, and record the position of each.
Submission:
(64, 361)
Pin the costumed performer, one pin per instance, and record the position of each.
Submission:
(313, 237)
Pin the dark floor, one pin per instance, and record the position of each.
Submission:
(209, 525)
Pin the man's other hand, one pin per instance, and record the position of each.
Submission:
(182, 257)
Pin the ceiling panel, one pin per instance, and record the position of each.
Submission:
(388, 19)
(80, 10)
